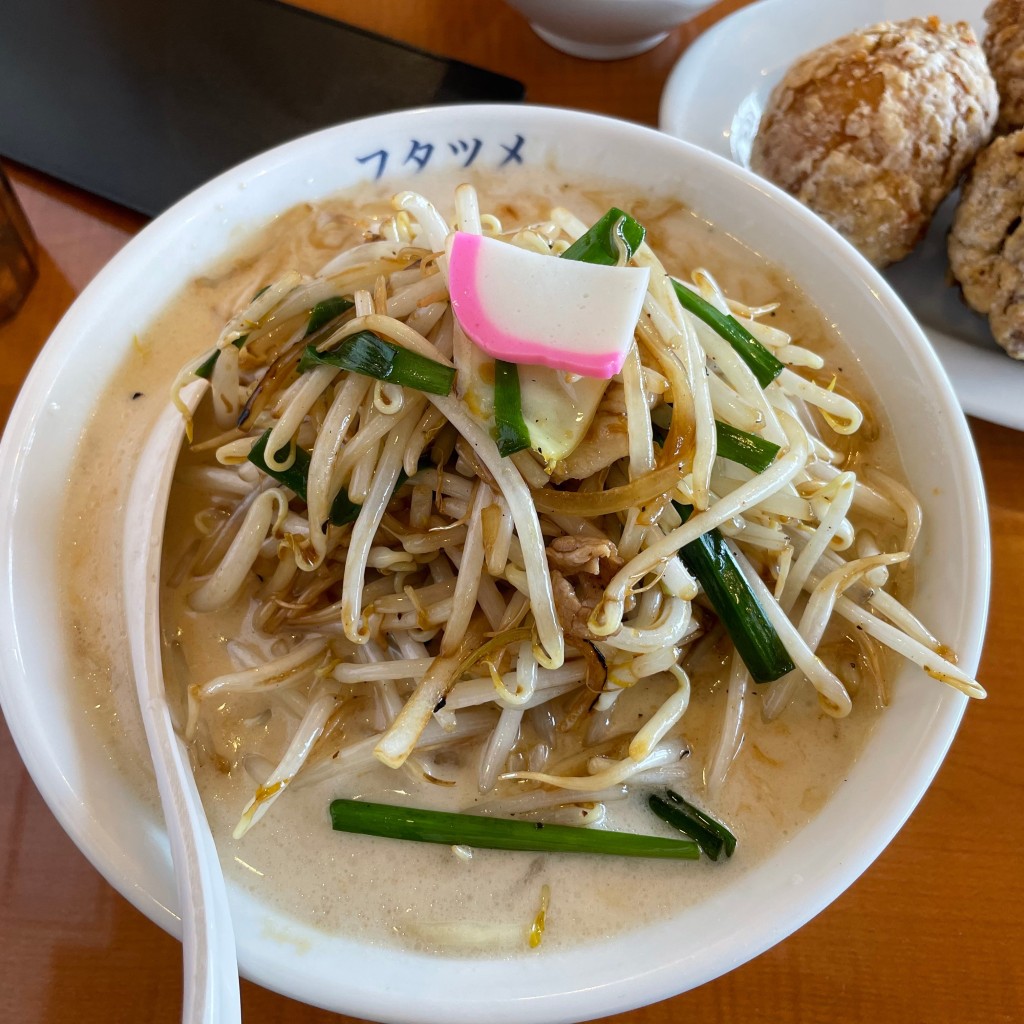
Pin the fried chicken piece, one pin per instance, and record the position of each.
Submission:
(873, 130)
(986, 243)
(1004, 48)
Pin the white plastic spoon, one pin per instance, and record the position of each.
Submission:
(208, 940)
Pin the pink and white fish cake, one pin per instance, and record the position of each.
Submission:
(525, 307)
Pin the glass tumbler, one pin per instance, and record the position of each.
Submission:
(18, 270)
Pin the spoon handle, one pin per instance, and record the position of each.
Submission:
(210, 965)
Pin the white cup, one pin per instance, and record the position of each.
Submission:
(606, 29)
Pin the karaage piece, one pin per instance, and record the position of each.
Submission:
(873, 130)
(1004, 48)
(986, 243)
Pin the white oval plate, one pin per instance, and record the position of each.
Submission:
(101, 801)
(715, 97)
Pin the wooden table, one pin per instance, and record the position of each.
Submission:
(932, 933)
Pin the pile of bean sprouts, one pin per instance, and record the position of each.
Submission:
(487, 608)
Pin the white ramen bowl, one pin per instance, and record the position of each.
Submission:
(102, 803)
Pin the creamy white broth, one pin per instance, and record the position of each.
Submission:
(387, 891)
